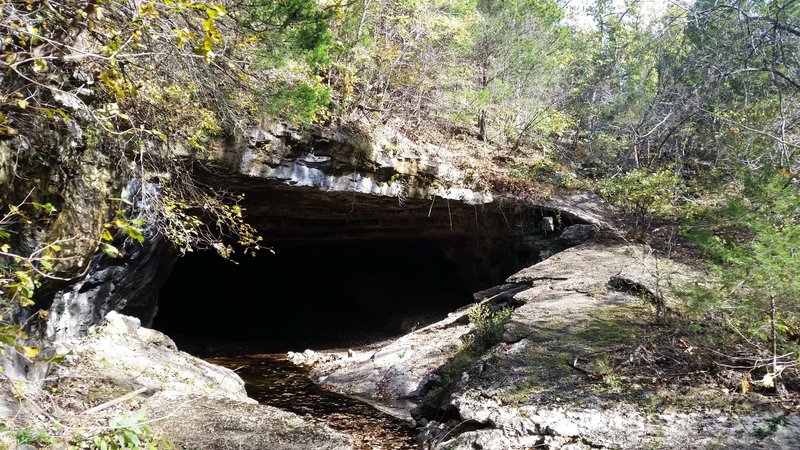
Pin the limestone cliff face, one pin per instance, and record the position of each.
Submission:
(382, 161)
(332, 183)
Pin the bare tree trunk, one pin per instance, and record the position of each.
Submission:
(482, 129)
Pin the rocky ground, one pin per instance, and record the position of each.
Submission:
(123, 376)
(582, 363)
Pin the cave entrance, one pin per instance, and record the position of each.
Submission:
(322, 294)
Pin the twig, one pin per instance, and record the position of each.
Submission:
(581, 369)
(116, 401)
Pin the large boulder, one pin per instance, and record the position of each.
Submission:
(120, 366)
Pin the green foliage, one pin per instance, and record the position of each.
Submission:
(131, 228)
(291, 29)
(401, 57)
(295, 43)
(642, 195)
(487, 324)
(35, 437)
(126, 432)
(303, 104)
(768, 430)
(20, 274)
(193, 219)
(544, 171)
(751, 240)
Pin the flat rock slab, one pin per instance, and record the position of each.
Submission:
(397, 371)
(193, 422)
(526, 392)
(187, 401)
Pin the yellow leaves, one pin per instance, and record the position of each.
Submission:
(40, 66)
(113, 80)
(206, 49)
(51, 113)
(183, 36)
(148, 9)
(744, 385)
(5, 248)
(215, 10)
(22, 288)
(30, 352)
(5, 130)
(113, 110)
(785, 172)
(22, 103)
(212, 36)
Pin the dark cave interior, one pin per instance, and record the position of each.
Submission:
(323, 294)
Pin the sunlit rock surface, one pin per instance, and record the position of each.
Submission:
(193, 403)
(527, 392)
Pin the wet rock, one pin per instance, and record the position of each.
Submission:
(310, 357)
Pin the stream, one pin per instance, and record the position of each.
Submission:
(273, 380)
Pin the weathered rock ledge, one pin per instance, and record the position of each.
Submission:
(375, 160)
(537, 389)
(187, 401)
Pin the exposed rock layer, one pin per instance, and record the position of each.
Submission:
(532, 390)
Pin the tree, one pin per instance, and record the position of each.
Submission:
(519, 55)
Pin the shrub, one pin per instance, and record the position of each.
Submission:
(34, 437)
(643, 195)
(488, 324)
(124, 432)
